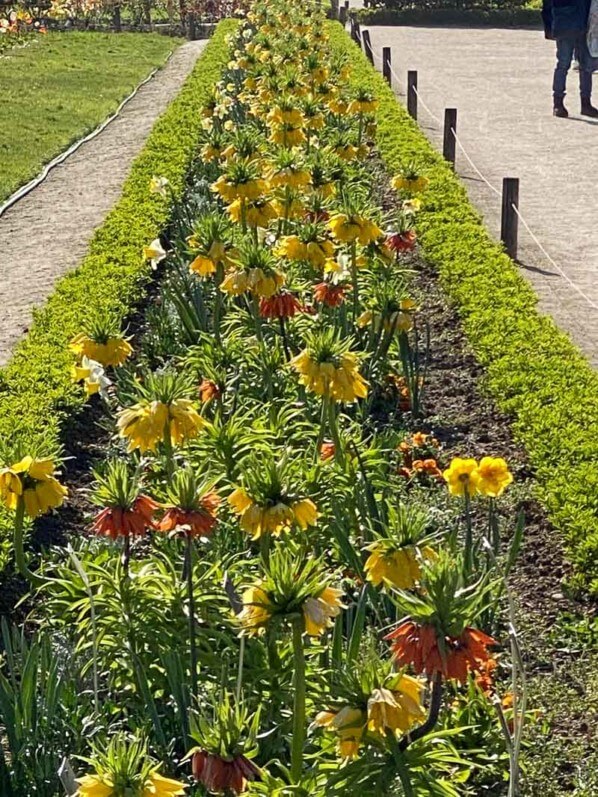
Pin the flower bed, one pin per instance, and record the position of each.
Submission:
(286, 585)
(37, 392)
(533, 370)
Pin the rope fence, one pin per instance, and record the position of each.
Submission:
(511, 214)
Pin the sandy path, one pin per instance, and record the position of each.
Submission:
(500, 82)
(47, 233)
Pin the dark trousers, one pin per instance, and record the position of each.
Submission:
(565, 48)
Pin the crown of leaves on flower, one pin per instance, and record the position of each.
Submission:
(246, 143)
(289, 579)
(447, 599)
(251, 255)
(116, 484)
(410, 171)
(101, 329)
(388, 295)
(186, 489)
(354, 682)
(269, 481)
(225, 727)
(241, 171)
(209, 229)
(165, 386)
(216, 363)
(286, 159)
(327, 346)
(405, 525)
(124, 763)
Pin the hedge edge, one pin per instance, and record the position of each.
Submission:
(533, 370)
(442, 17)
(37, 393)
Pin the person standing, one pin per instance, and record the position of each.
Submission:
(567, 22)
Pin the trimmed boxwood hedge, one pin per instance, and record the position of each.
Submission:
(533, 370)
(442, 17)
(36, 389)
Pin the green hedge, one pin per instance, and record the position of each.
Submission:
(533, 370)
(36, 390)
(441, 17)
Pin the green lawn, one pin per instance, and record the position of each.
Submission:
(59, 88)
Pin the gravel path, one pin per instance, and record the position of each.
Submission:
(46, 234)
(500, 82)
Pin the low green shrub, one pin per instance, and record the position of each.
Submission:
(470, 17)
(36, 389)
(533, 370)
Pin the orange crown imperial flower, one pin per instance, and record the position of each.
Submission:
(135, 521)
(418, 645)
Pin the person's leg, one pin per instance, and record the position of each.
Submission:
(586, 66)
(564, 56)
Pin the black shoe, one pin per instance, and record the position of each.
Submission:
(559, 109)
(587, 109)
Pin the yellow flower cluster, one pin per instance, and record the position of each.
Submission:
(316, 253)
(395, 567)
(490, 477)
(32, 482)
(259, 520)
(340, 382)
(148, 423)
(155, 786)
(111, 352)
(354, 228)
(396, 709)
(255, 280)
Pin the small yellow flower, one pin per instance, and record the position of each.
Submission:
(155, 252)
(341, 383)
(494, 476)
(462, 477)
(318, 612)
(306, 513)
(349, 725)
(355, 228)
(235, 283)
(412, 185)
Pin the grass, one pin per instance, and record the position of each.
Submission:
(60, 87)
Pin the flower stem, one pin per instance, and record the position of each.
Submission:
(354, 280)
(298, 740)
(191, 611)
(168, 450)
(285, 343)
(20, 561)
(468, 533)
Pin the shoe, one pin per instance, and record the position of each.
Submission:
(587, 109)
(559, 108)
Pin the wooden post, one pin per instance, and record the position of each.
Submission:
(367, 46)
(191, 28)
(386, 60)
(356, 31)
(342, 15)
(412, 93)
(509, 226)
(449, 147)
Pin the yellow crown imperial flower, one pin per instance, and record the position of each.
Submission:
(110, 352)
(494, 476)
(159, 786)
(396, 567)
(398, 709)
(33, 482)
(94, 786)
(235, 283)
(410, 184)
(319, 611)
(462, 476)
(349, 725)
(147, 423)
(259, 520)
(341, 382)
(354, 228)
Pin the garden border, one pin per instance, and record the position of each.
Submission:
(533, 370)
(37, 392)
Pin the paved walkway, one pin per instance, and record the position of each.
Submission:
(47, 233)
(500, 82)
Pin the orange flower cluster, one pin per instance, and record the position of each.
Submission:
(117, 522)
(329, 294)
(418, 645)
(200, 522)
(280, 305)
(419, 454)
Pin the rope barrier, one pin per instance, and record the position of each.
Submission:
(496, 191)
(26, 189)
